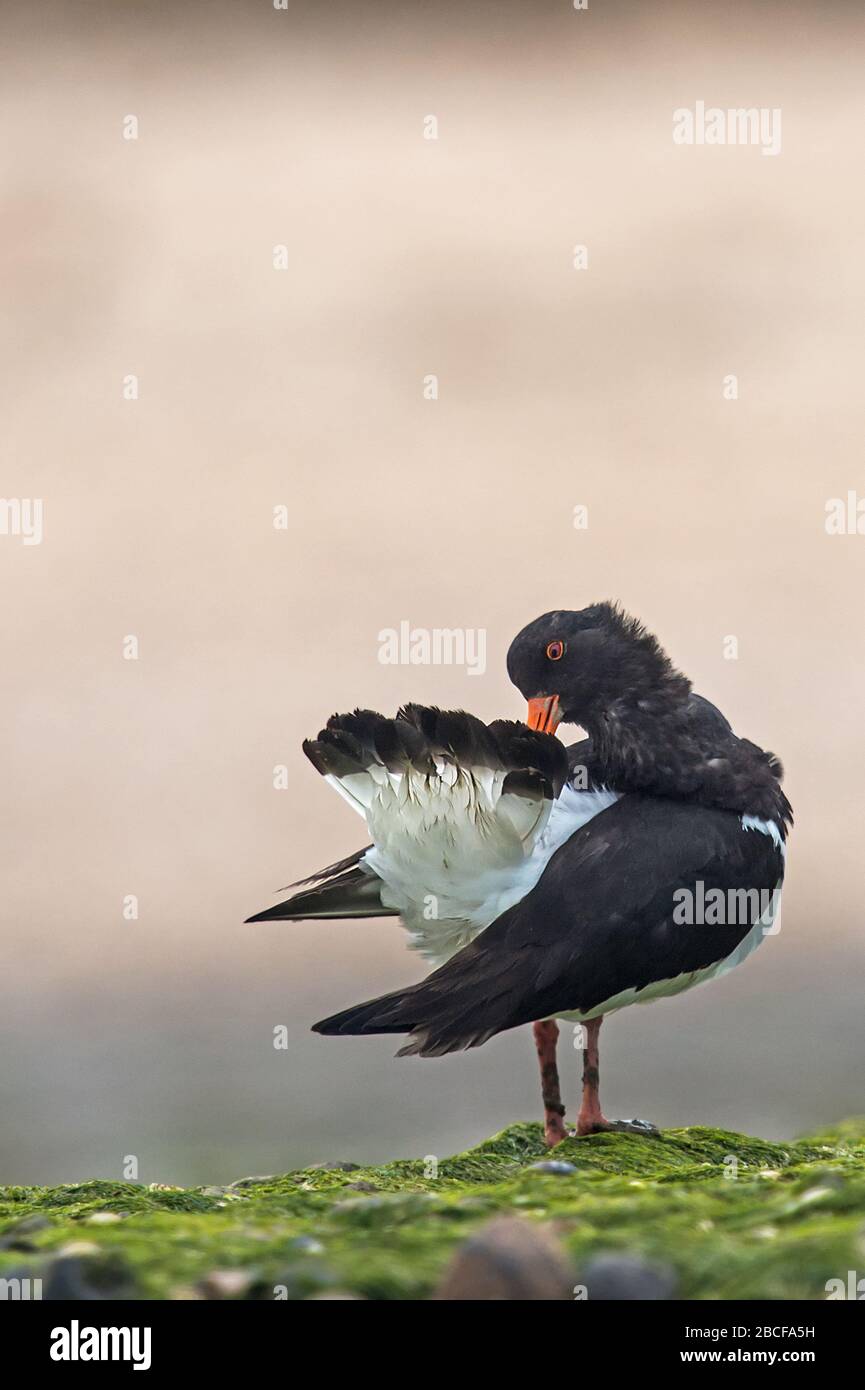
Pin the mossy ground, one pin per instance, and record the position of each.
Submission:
(791, 1218)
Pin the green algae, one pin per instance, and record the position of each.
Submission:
(735, 1217)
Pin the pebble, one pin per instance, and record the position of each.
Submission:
(617, 1276)
(81, 1278)
(17, 1237)
(307, 1245)
(227, 1283)
(508, 1258)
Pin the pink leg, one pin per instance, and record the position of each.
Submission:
(591, 1119)
(546, 1037)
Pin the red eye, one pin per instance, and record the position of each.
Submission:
(556, 650)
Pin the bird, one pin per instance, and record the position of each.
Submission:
(577, 904)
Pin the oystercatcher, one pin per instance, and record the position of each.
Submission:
(561, 880)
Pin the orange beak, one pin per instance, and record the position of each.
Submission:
(545, 714)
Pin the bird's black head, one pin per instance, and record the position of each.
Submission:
(575, 666)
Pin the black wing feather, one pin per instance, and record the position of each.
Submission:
(599, 921)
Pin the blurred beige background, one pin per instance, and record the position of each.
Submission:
(303, 387)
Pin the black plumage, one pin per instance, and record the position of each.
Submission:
(419, 734)
(562, 950)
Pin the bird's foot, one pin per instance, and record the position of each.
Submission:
(595, 1125)
(554, 1128)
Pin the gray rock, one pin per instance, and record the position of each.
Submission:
(559, 1166)
(88, 1278)
(617, 1276)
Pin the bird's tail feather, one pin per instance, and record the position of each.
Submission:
(440, 1014)
(373, 1016)
(354, 893)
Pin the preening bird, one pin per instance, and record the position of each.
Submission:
(546, 882)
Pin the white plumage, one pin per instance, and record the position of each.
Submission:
(453, 851)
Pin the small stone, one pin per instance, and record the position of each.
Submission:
(104, 1218)
(508, 1258)
(816, 1194)
(338, 1165)
(227, 1283)
(307, 1245)
(557, 1166)
(251, 1182)
(28, 1225)
(806, 1199)
(361, 1187)
(88, 1277)
(17, 1236)
(627, 1277)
